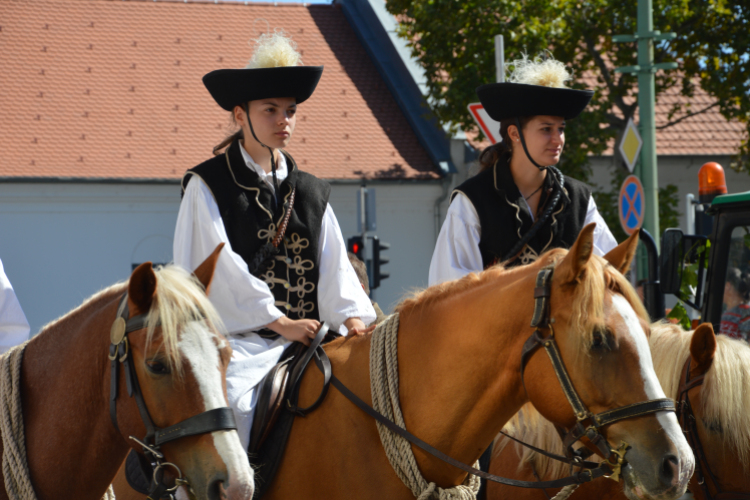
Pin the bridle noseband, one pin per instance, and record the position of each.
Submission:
(588, 424)
(217, 419)
(689, 427)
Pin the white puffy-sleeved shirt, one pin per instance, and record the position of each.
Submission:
(245, 303)
(457, 249)
(14, 329)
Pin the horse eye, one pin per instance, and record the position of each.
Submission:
(157, 367)
(713, 426)
(598, 340)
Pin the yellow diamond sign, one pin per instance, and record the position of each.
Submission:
(630, 145)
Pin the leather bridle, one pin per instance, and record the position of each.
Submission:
(217, 419)
(689, 426)
(587, 425)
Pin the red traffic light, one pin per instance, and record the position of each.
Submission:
(355, 246)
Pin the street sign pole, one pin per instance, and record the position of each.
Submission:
(499, 59)
(646, 96)
(646, 103)
(489, 127)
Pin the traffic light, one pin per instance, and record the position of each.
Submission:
(355, 246)
(377, 261)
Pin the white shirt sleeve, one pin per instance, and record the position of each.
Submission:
(340, 295)
(244, 302)
(603, 239)
(457, 249)
(14, 329)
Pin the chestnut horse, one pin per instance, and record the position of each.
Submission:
(721, 406)
(459, 357)
(73, 447)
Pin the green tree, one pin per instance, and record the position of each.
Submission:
(453, 41)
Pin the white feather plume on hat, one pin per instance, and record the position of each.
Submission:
(543, 70)
(273, 50)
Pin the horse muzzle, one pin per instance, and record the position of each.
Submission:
(665, 478)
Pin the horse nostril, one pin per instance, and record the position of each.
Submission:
(669, 473)
(216, 490)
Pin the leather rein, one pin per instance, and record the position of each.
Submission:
(209, 421)
(588, 424)
(689, 427)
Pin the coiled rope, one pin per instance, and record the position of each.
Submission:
(385, 399)
(15, 466)
(566, 492)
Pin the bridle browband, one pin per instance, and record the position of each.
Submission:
(587, 424)
(690, 429)
(217, 419)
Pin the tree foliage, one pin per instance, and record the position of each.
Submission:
(454, 42)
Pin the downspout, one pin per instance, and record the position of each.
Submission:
(445, 184)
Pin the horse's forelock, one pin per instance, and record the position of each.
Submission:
(179, 299)
(587, 309)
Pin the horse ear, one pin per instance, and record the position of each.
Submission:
(579, 254)
(622, 255)
(702, 349)
(205, 272)
(141, 289)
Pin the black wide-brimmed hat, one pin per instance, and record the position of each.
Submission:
(511, 100)
(233, 87)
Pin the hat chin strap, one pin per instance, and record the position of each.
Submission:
(273, 161)
(523, 143)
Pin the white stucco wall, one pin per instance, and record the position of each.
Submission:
(61, 242)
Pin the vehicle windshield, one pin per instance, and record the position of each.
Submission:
(735, 318)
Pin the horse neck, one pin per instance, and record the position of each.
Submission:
(73, 449)
(459, 363)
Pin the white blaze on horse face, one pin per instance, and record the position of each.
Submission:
(652, 387)
(199, 347)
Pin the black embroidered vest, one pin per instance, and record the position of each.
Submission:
(504, 216)
(247, 208)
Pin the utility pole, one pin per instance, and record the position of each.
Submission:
(647, 171)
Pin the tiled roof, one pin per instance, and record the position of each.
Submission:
(706, 133)
(112, 89)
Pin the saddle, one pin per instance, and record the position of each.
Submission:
(277, 406)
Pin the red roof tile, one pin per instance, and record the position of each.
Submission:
(112, 89)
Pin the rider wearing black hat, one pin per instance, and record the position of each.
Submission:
(520, 205)
(285, 266)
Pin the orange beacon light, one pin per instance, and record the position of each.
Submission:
(711, 182)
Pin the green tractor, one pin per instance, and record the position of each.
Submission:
(704, 262)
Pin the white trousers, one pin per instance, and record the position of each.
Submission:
(252, 358)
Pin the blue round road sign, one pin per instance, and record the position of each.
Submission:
(631, 205)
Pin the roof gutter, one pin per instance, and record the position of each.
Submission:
(84, 180)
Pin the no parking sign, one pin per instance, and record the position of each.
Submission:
(631, 204)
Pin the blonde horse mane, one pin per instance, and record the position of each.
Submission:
(436, 293)
(725, 395)
(179, 299)
(725, 398)
(587, 309)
